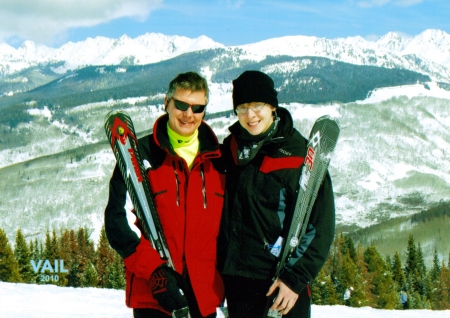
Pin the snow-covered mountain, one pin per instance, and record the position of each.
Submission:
(428, 52)
(145, 49)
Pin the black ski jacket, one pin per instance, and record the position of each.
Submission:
(259, 200)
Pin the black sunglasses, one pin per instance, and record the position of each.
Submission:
(196, 109)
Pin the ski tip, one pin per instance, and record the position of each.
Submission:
(115, 113)
(329, 121)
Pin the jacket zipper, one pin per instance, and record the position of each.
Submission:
(202, 174)
(177, 181)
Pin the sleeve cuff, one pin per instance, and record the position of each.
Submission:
(288, 277)
(144, 261)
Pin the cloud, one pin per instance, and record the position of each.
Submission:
(45, 20)
(234, 4)
(380, 3)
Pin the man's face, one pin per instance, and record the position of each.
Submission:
(257, 118)
(185, 122)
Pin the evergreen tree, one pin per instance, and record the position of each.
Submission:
(322, 290)
(397, 272)
(444, 300)
(116, 273)
(411, 257)
(65, 255)
(436, 269)
(23, 258)
(349, 277)
(105, 258)
(9, 268)
(41, 250)
(420, 277)
(418, 281)
(348, 247)
(435, 287)
(336, 264)
(412, 269)
(51, 249)
(31, 249)
(73, 277)
(384, 288)
(362, 296)
(90, 277)
(83, 254)
(50, 256)
(55, 246)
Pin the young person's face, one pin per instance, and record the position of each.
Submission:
(185, 122)
(255, 117)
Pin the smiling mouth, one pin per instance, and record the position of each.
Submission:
(254, 123)
(184, 122)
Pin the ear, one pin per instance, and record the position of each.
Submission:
(166, 103)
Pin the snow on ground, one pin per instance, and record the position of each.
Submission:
(431, 89)
(26, 300)
(36, 301)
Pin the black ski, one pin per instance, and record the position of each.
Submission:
(321, 144)
(122, 137)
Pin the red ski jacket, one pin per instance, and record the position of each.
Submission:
(189, 205)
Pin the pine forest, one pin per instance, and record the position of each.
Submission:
(71, 258)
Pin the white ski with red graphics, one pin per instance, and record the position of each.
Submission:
(321, 144)
(122, 137)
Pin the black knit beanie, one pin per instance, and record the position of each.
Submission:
(254, 86)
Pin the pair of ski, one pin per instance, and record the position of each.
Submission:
(122, 137)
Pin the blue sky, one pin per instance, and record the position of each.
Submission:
(230, 22)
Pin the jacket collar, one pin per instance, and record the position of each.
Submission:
(209, 145)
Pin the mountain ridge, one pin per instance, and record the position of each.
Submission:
(390, 50)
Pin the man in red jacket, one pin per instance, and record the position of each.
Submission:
(188, 191)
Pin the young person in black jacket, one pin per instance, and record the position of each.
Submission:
(264, 156)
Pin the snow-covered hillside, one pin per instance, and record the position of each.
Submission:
(378, 164)
(48, 301)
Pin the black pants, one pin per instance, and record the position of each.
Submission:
(193, 308)
(246, 298)
(153, 313)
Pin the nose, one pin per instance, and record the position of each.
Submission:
(250, 110)
(188, 112)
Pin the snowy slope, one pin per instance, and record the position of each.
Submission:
(48, 301)
(367, 176)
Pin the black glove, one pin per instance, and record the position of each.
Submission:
(167, 286)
